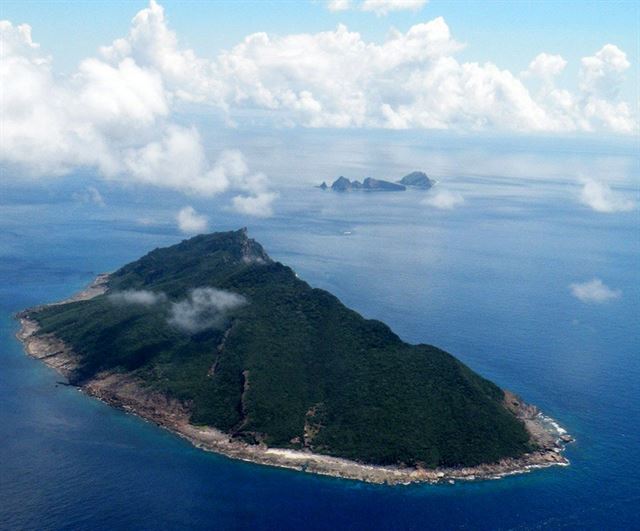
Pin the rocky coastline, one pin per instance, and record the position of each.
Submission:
(125, 392)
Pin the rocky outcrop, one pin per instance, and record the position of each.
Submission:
(252, 252)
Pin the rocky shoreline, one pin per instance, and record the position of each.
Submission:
(127, 393)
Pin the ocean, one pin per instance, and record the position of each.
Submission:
(488, 281)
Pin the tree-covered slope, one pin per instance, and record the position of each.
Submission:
(260, 354)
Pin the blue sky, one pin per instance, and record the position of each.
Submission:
(509, 33)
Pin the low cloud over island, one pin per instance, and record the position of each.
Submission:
(204, 308)
(140, 297)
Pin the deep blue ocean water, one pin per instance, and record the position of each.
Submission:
(487, 281)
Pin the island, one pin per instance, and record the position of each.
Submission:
(416, 179)
(228, 348)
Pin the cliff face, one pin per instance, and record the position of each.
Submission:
(213, 323)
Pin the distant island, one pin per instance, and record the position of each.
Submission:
(416, 179)
(217, 342)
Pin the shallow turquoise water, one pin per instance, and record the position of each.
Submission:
(487, 281)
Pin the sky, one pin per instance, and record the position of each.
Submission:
(111, 86)
(507, 33)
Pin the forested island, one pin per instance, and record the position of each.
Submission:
(219, 343)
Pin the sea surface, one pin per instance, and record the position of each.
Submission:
(487, 280)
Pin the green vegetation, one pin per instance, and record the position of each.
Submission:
(292, 367)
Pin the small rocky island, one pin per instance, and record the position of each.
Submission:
(416, 179)
(217, 342)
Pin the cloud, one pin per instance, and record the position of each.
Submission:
(338, 5)
(177, 160)
(546, 66)
(153, 46)
(117, 112)
(594, 291)
(602, 73)
(52, 124)
(601, 76)
(383, 7)
(137, 297)
(444, 199)
(258, 199)
(114, 113)
(601, 198)
(190, 222)
(204, 308)
(259, 205)
(411, 80)
(379, 7)
(332, 78)
(90, 195)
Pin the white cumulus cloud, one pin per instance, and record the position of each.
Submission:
(177, 160)
(154, 46)
(114, 113)
(546, 66)
(443, 199)
(600, 197)
(594, 291)
(411, 80)
(190, 222)
(204, 308)
(601, 74)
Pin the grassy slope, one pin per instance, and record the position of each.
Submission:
(293, 355)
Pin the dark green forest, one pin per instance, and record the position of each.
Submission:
(290, 367)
